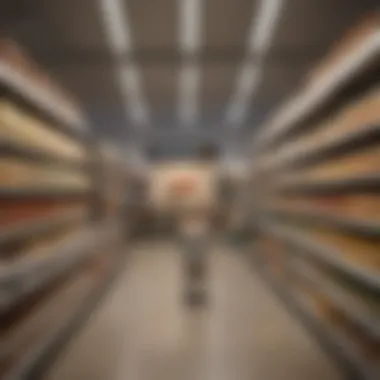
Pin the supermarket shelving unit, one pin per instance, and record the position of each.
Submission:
(61, 243)
(326, 223)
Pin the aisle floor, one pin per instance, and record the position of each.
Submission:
(143, 330)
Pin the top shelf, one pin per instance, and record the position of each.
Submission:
(319, 95)
(22, 79)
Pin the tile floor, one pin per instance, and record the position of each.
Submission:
(143, 330)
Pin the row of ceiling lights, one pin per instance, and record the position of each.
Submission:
(116, 21)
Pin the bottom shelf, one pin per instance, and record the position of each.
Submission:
(42, 355)
(331, 340)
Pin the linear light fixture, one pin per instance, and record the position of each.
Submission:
(130, 81)
(188, 93)
(190, 25)
(259, 39)
(262, 26)
(190, 19)
(247, 82)
(116, 22)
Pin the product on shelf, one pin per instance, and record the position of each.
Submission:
(355, 250)
(334, 149)
(37, 323)
(354, 166)
(362, 112)
(50, 188)
(346, 304)
(18, 212)
(41, 247)
(20, 127)
(20, 69)
(354, 207)
(15, 174)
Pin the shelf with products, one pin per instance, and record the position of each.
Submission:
(43, 331)
(342, 349)
(350, 68)
(356, 214)
(337, 256)
(316, 217)
(42, 264)
(57, 241)
(315, 190)
(24, 81)
(45, 224)
(360, 309)
(354, 129)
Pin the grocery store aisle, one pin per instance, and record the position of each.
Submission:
(144, 331)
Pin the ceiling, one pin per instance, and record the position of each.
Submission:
(69, 39)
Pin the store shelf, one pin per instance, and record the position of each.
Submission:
(310, 248)
(41, 357)
(36, 156)
(341, 222)
(364, 184)
(289, 158)
(40, 226)
(46, 193)
(68, 121)
(340, 297)
(25, 276)
(313, 98)
(342, 350)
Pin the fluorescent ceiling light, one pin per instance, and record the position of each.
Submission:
(189, 79)
(261, 31)
(247, 81)
(130, 81)
(190, 19)
(190, 25)
(119, 38)
(116, 21)
(262, 26)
